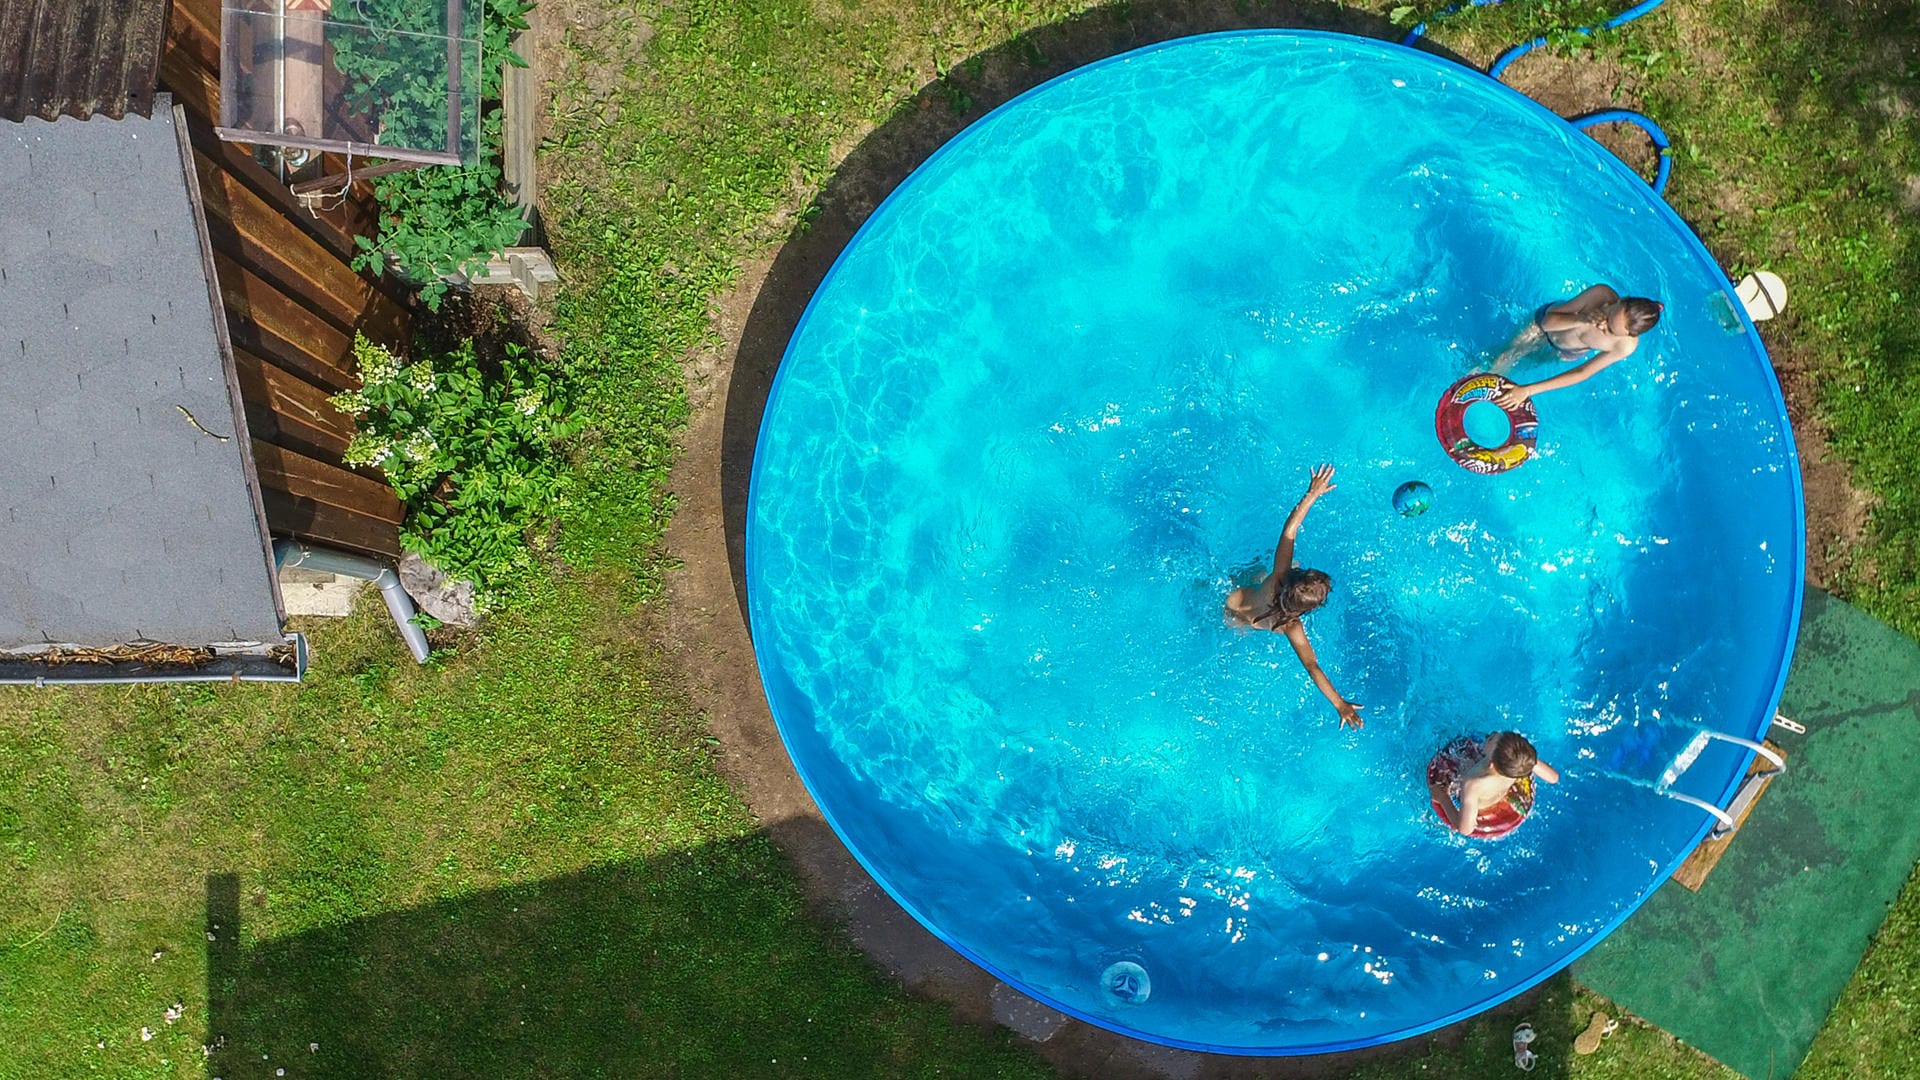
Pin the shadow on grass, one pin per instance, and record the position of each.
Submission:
(700, 963)
(922, 125)
(1856, 57)
(688, 964)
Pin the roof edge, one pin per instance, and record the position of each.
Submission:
(284, 661)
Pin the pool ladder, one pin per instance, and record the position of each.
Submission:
(1729, 819)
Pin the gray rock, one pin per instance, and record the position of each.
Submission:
(438, 595)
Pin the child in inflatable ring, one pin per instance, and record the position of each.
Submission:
(1473, 785)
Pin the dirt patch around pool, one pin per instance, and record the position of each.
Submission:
(705, 618)
(1837, 511)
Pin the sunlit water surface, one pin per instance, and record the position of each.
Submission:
(1055, 401)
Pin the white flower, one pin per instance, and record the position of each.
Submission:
(377, 365)
(528, 403)
(146, 1034)
(352, 402)
(418, 446)
(420, 377)
(366, 449)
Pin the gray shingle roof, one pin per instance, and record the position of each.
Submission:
(120, 520)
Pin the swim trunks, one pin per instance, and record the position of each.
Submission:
(1569, 355)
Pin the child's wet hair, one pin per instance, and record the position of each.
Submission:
(1513, 756)
(1641, 313)
(1308, 590)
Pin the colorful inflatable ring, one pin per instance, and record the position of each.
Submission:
(1497, 820)
(1449, 423)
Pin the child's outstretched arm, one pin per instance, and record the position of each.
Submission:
(1320, 484)
(1349, 712)
(1515, 394)
(1546, 772)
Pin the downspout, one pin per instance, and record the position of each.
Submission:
(328, 561)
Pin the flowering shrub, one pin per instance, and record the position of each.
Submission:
(471, 452)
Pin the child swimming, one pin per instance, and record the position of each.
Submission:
(1596, 329)
(1289, 592)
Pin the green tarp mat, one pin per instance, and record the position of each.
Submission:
(1748, 968)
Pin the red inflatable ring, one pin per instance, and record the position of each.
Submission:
(1497, 820)
(1449, 423)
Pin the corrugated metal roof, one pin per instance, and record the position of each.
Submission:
(79, 57)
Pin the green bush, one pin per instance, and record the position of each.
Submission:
(438, 219)
(441, 219)
(471, 451)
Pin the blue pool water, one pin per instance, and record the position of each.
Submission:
(1056, 399)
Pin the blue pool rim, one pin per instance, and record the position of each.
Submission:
(1384, 50)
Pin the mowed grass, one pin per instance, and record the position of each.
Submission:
(521, 861)
(516, 862)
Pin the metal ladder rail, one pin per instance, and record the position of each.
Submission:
(1749, 788)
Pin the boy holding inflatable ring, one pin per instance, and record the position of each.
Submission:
(1597, 328)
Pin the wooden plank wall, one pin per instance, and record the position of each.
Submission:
(293, 306)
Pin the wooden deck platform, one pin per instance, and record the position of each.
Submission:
(1693, 873)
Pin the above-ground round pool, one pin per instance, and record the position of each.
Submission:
(1055, 400)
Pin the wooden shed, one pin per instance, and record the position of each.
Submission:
(292, 300)
(293, 305)
(278, 273)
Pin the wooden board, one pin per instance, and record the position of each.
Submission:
(289, 411)
(316, 522)
(293, 303)
(194, 26)
(196, 87)
(260, 237)
(519, 108)
(1693, 873)
(297, 474)
(266, 321)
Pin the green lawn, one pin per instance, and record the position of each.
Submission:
(520, 861)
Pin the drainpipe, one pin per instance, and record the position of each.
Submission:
(328, 561)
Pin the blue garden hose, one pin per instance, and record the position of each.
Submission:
(1505, 59)
(1659, 137)
(1526, 47)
